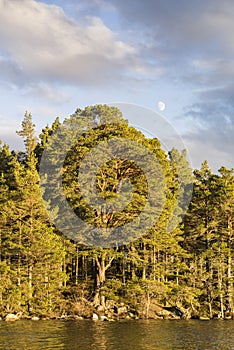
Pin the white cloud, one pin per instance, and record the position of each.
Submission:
(45, 92)
(64, 60)
(44, 44)
(207, 144)
(8, 132)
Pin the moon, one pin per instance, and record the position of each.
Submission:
(161, 106)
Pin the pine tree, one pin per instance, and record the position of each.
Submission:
(31, 242)
(28, 133)
(225, 215)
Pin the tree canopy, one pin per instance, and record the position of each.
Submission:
(133, 242)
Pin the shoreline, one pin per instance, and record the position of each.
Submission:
(102, 318)
(78, 318)
(112, 311)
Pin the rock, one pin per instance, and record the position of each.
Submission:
(35, 318)
(12, 317)
(122, 310)
(175, 310)
(79, 318)
(163, 313)
(95, 317)
(174, 317)
(26, 317)
(110, 304)
(102, 318)
(134, 312)
(62, 317)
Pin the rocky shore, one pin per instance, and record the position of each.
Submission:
(113, 311)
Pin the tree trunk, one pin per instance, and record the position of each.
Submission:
(154, 263)
(229, 267)
(144, 263)
(30, 269)
(77, 266)
(230, 284)
(19, 257)
(101, 267)
(123, 271)
(220, 284)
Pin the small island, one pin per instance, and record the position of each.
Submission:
(179, 268)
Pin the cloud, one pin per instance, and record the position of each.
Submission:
(192, 42)
(8, 133)
(207, 143)
(47, 50)
(42, 43)
(43, 91)
(10, 72)
(212, 120)
(175, 34)
(183, 24)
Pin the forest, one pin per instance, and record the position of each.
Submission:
(184, 272)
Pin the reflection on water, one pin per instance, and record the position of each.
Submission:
(99, 337)
(132, 335)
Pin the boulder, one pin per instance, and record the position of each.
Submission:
(12, 317)
(122, 310)
(102, 318)
(79, 318)
(35, 318)
(110, 304)
(95, 317)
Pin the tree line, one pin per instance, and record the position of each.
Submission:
(43, 272)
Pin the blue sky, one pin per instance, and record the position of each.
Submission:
(58, 55)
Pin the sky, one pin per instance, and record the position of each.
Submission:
(56, 56)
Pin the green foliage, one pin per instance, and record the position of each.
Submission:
(185, 263)
(28, 133)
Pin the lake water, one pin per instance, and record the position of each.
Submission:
(125, 335)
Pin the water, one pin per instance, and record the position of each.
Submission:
(125, 335)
